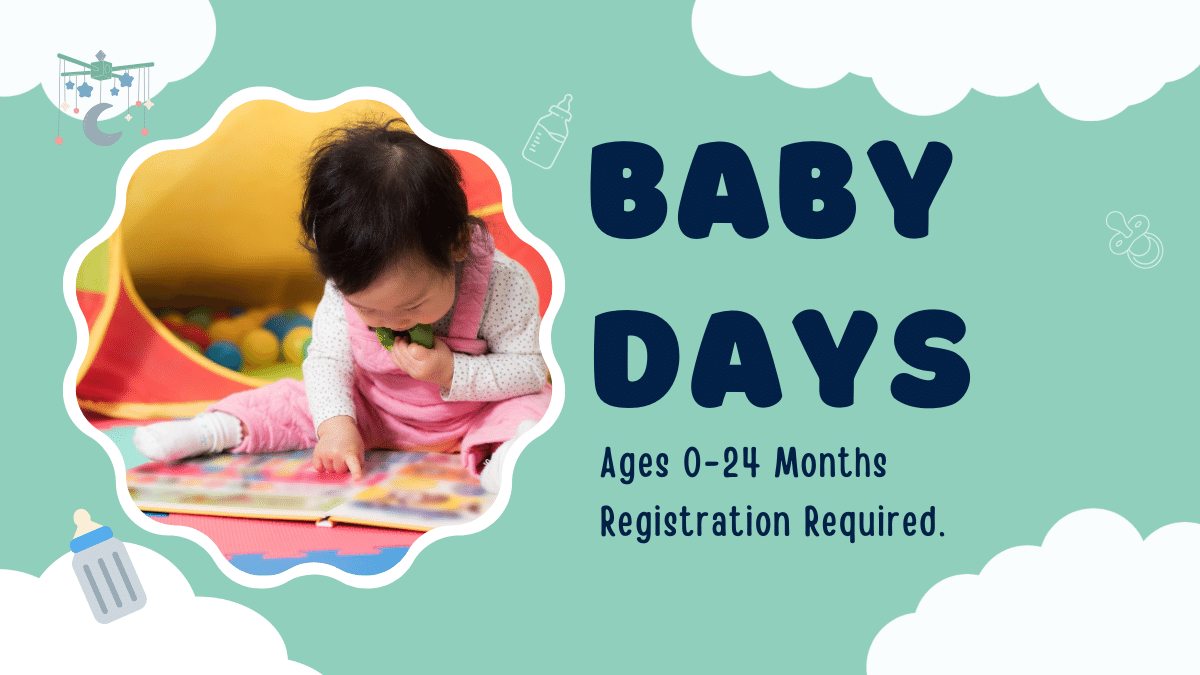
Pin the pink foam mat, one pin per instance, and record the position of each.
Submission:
(290, 539)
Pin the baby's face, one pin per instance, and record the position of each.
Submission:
(404, 296)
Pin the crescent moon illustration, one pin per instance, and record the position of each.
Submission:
(1151, 257)
(91, 128)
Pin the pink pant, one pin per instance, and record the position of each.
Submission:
(277, 419)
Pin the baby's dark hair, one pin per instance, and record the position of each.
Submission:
(374, 194)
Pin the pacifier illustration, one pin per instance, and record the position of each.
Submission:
(105, 571)
(1128, 234)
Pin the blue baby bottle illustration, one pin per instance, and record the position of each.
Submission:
(548, 136)
(105, 571)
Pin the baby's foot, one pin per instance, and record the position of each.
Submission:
(206, 433)
(491, 476)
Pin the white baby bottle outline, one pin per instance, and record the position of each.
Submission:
(548, 135)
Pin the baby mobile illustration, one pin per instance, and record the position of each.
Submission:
(100, 71)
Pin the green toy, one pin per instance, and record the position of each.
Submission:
(387, 337)
(421, 334)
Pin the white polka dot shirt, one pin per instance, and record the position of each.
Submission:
(512, 367)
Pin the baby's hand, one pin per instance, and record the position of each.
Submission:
(428, 365)
(339, 447)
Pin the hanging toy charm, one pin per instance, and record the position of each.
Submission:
(100, 70)
(149, 104)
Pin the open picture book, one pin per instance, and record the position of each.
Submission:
(399, 488)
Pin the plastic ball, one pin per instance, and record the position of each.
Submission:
(255, 317)
(235, 330)
(190, 331)
(145, 132)
(308, 309)
(227, 329)
(58, 140)
(275, 323)
(259, 348)
(281, 324)
(235, 311)
(225, 353)
(172, 318)
(193, 346)
(202, 316)
(295, 344)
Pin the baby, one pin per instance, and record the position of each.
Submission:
(386, 220)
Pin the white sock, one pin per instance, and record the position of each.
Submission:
(493, 473)
(206, 433)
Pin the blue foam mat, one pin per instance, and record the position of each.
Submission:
(123, 437)
(364, 565)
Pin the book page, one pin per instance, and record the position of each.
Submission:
(423, 491)
(276, 485)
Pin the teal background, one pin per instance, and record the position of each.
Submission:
(1082, 365)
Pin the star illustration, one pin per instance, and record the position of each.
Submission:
(70, 85)
(128, 117)
(149, 104)
(85, 90)
(126, 80)
(114, 91)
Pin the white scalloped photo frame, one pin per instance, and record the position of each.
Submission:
(311, 568)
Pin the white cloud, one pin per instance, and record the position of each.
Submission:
(176, 35)
(46, 626)
(1092, 60)
(1093, 598)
